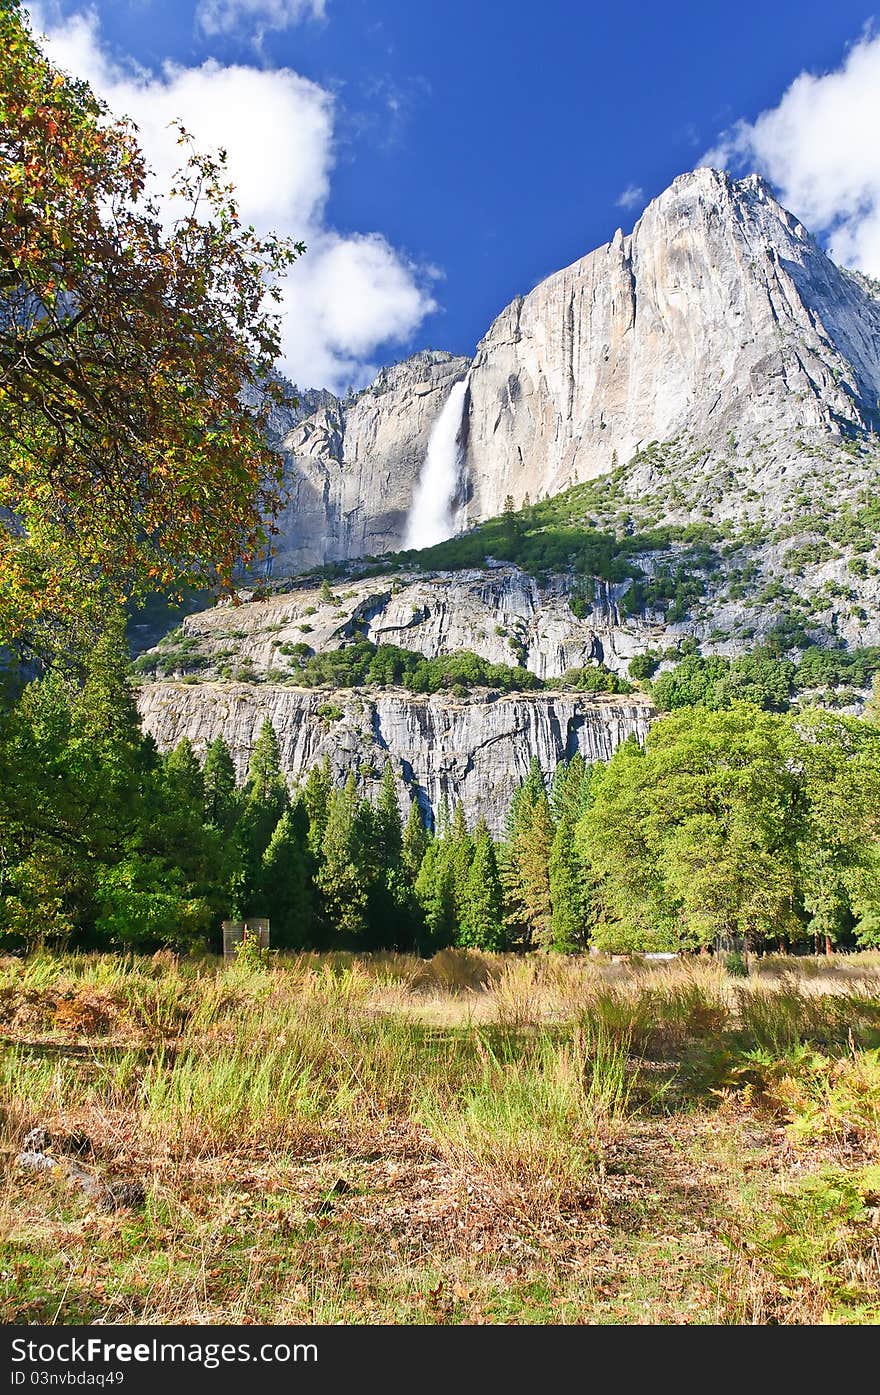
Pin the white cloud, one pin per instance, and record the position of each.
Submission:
(231, 16)
(632, 195)
(820, 147)
(349, 295)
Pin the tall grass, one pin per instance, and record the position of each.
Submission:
(205, 1055)
(539, 1115)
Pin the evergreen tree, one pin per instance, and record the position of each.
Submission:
(525, 859)
(341, 879)
(286, 892)
(511, 523)
(482, 918)
(264, 771)
(570, 788)
(393, 909)
(531, 855)
(569, 873)
(221, 794)
(99, 839)
(441, 822)
(388, 827)
(457, 848)
(569, 893)
(104, 711)
(415, 841)
(524, 800)
(435, 893)
(317, 794)
(266, 798)
(183, 778)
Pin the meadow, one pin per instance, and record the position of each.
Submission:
(468, 1139)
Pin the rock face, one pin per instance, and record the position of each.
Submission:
(475, 749)
(352, 464)
(718, 357)
(719, 314)
(719, 317)
(501, 614)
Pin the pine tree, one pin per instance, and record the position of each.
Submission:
(393, 912)
(568, 892)
(264, 771)
(285, 891)
(531, 855)
(415, 841)
(570, 788)
(510, 522)
(457, 847)
(266, 798)
(524, 800)
(441, 821)
(435, 893)
(221, 795)
(522, 898)
(388, 828)
(570, 885)
(105, 712)
(317, 793)
(482, 919)
(341, 879)
(183, 778)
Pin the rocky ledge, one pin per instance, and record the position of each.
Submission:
(476, 749)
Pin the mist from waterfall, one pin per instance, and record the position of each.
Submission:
(431, 517)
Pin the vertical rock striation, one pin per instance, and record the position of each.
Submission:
(719, 316)
(474, 749)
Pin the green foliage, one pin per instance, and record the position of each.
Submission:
(343, 881)
(285, 888)
(716, 682)
(386, 665)
(251, 955)
(763, 678)
(317, 791)
(435, 894)
(569, 875)
(735, 964)
(734, 824)
(644, 666)
(808, 555)
(99, 838)
(526, 863)
(593, 678)
(218, 783)
(482, 911)
(415, 841)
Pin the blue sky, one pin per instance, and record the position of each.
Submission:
(441, 158)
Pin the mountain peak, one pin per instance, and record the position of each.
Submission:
(717, 319)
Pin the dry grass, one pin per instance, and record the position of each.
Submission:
(473, 1138)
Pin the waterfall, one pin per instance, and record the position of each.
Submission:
(431, 518)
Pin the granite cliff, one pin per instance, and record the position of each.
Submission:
(718, 317)
(475, 749)
(686, 421)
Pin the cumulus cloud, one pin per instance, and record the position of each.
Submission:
(632, 195)
(233, 16)
(819, 147)
(351, 294)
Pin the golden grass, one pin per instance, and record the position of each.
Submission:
(512, 1130)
